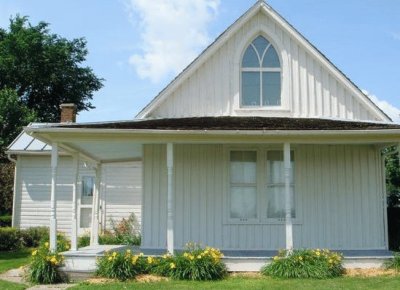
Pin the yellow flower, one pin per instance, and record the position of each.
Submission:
(46, 244)
(276, 258)
(53, 260)
(165, 256)
(114, 254)
(300, 258)
(172, 266)
(150, 260)
(318, 254)
(128, 251)
(67, 247)
(110, 258)
(206, 252)
(34, 253)
(199, 257)
(141, 255)
(134, 259)
(185, 254)
(191, 257)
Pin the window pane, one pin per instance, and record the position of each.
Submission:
(261, 44)
(250, 88)
(243, 202)
(271, 88)
(276, 202)
(243, 166)
(276, 167)
(86, 217)
(271, 58)
(250, 58)
(87, 189)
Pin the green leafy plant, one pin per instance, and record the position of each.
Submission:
(393, 263)
(43, 268)
(306, 263)
(31, 237)
(122, 266)
(126, 231)
(197, 263)
(5, 221)
(10, 239)
(63, 244)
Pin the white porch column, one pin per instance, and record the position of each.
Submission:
(170, 194)
(53, 196)
(94, 239)
(74, 226)
(288, 203)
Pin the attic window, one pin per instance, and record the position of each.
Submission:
(261, 75)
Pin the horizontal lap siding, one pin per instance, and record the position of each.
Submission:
(339, 198)
(122, 186)
(123, 191)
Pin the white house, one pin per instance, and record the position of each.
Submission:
(261, 143)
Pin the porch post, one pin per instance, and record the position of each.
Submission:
(53, 196)
(170, 194)
(288, 208)
(74, 227)
(94, 240)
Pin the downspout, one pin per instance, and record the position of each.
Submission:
(13, 215)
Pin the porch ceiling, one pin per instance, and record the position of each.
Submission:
(107, 150)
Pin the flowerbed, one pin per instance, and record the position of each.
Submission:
(318, 264)
(195, 263)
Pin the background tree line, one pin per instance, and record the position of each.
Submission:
(39, 71)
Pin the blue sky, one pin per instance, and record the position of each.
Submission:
(138, 46)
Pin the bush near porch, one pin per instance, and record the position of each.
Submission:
(196, 263)
(305, 263)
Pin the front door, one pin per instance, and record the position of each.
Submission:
(86, 203)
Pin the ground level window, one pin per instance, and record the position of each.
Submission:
(243, 185)
(275, 189)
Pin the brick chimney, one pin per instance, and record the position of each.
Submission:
(68, 113)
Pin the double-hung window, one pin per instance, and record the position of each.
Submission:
(257, 186)
(275, 187)
(243, 185)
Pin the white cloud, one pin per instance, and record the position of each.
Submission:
(173, 32)
(389, 109)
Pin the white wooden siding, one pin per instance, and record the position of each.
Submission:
(308, 88)
(121, 191)
(338, 193)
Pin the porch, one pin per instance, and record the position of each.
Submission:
(186, 189)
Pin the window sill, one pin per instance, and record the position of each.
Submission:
(263, 111)
(262, 222)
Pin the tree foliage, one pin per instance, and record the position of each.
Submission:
(45, 69)
(393, 179)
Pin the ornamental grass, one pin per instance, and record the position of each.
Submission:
(306, 263)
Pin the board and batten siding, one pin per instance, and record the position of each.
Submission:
(309, 89)
(121, 191)
(339, 197)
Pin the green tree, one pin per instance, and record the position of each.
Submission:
(393, 179)
(45, 69)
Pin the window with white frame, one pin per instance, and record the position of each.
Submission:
(252, 199)
(260, 75)
(276, 208)
(243, 185)
(86, 200)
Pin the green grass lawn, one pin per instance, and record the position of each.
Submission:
(259, 283)
(12, 260)
(4, 285)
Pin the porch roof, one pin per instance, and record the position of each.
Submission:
(235, 123)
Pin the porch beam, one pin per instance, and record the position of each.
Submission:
(170, 194)
(74, 227)
(53, 196)
(94, 238)
(288, 203)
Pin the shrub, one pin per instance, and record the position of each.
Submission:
(306, 263)
(197, 263)
(122, 266)
(31, 237)
(393, 263)
(84, 240)
(5, 221)
(126, 231)
(43, 268)
(63, 244)
(10, 239)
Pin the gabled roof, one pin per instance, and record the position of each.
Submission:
(231, 30)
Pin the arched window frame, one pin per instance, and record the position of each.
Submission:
(261, 69)
(286, 91)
